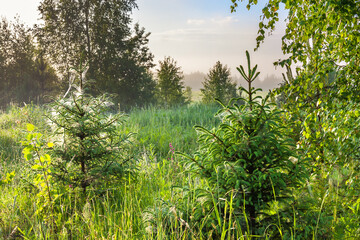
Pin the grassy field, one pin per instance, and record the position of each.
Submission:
(196, 95)
(155, 202)
(126, 211)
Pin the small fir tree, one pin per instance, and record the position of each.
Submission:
(218, 85)
(170, 84)
(89, 146)
(248, 161)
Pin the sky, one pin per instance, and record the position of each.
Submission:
(196, 33)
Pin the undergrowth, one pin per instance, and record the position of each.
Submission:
(159, 201)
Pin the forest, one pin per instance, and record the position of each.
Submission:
(97, 143)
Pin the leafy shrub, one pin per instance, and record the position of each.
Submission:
(7, 179)
(40, 163)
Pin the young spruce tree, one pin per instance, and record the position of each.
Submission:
(89, 145)
(170, 84)
(248, 161)
(218, 85)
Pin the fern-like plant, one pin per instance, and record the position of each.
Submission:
(248, 156)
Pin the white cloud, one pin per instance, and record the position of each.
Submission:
(187, 32)
(224, 20)
(196, 22)
(219, 21)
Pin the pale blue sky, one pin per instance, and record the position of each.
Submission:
(196, 33)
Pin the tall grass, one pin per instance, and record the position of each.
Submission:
(12, 124)
(159, 127)
(121, 211)
(153, 204)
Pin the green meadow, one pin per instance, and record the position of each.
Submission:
(154, 203)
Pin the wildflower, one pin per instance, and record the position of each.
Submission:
(172, 150)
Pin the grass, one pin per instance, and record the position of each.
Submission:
(123, 211)
(157, 203)
(196, 96)
(157, 128)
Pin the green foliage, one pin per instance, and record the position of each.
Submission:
(161, 203)
(328, 78)
(218, 85)
(12, 123)
(25, 75)
(88, 144)
(323, 36)
(248, 159)
(100, 34)
(248, 170)
(307, 38)
(188, 94)
(8, 178)
(170, 82)
(43, 182)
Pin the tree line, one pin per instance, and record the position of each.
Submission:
(25, 73)
(37, 64)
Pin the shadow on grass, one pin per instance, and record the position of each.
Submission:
(10, 150)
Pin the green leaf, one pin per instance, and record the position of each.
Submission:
(30, 127)
(37, 167)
